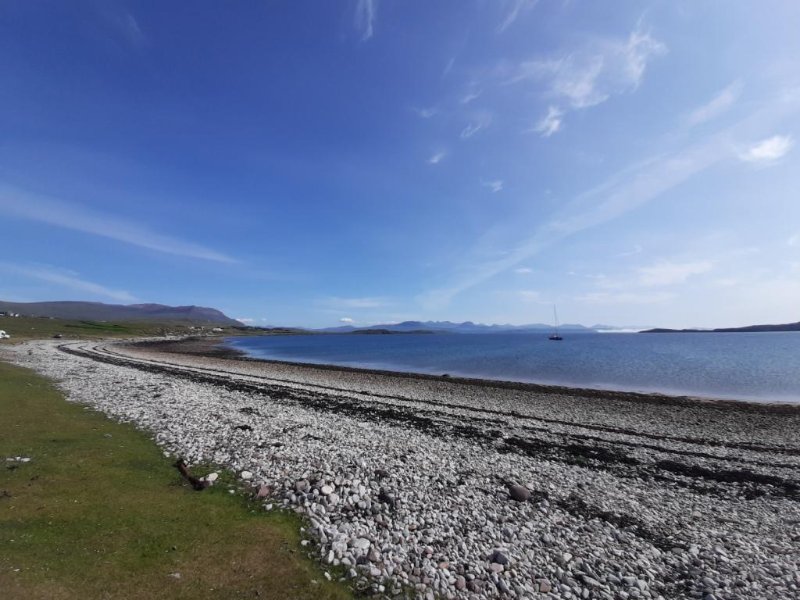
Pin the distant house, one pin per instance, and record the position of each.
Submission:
(217, 330)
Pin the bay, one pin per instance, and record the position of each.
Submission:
(742, 366)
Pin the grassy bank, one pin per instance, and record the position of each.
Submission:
(99, 512)
(28, 328)
(34, 328)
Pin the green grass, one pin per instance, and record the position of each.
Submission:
(99, 512)
(27, 328)
(101, 327)
(31, 328)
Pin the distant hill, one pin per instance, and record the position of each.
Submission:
(619, 328)
(97, 311)
(751, 328)
(450, 327)
(388, 331)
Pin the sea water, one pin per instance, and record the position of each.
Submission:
(743, 366)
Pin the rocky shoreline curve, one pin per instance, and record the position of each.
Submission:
(464, 489)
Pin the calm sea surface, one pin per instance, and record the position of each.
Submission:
(746, 366)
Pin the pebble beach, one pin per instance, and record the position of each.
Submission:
(439, 487)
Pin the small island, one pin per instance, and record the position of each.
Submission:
(390, 332)
(749, 328)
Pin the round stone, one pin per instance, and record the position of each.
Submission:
(499, 558)
(519, 492)
(496, 568)
(361, 543)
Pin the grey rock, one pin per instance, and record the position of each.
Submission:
(387, 498)
(518, 492)
(496, 568)
(361, 543)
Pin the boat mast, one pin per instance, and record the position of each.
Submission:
(555, 318)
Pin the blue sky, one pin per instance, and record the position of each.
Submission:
(366, 161)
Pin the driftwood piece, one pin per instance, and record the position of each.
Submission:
(196, 483)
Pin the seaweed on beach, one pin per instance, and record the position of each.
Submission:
(598, 454)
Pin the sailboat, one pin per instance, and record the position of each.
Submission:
(554, 336)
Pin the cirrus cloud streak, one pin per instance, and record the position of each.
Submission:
(33, 207)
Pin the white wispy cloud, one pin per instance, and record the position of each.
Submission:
(126, 26)
(366, 12)
(352, 303)
(523, 271)
(574, 79)
(347, 320)
(513, 9)
(577, 80)
(669, 273)
(794, 240)
(584, 76)
(636, 186)
(495, 185)
(436, 158)
(470, 130)
(768, 151)
(132, 29)
(550, 123)
(246, 320)
(720, 103)
(66, 279)
(627, 190)
(634, 56)
(590, 75)
(448, 66)
(637, 249)
(478, 121)
(427, 112)
(470, 95)
(17, 203)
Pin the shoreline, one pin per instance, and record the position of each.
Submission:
(78, 488)
(217, 348)
(409, 482)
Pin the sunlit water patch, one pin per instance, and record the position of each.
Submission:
(746, 366)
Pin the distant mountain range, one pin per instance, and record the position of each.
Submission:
(97, 311)
(470, 327)
(751, 328)
(465, 327)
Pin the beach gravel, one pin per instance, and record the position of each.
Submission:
(449, 488)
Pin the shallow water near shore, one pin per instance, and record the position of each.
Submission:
(742, 366)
